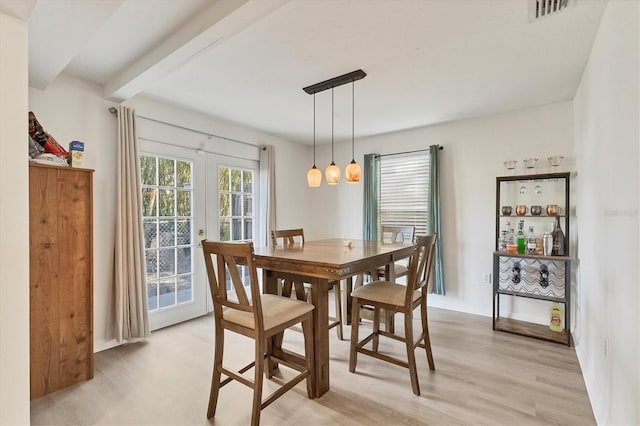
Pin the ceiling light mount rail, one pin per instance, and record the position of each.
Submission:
(335, 82)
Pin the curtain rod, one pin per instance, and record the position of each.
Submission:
(440, 148)
(114, 111)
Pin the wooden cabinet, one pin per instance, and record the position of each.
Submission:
(546, 279)
(61, 281)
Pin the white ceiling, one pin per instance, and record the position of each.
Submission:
(246, 61)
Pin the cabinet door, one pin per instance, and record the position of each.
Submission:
(61, 268)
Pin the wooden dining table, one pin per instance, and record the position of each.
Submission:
(318, 263)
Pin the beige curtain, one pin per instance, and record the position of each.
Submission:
(132, 320)
(267, 194)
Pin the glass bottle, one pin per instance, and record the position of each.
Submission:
(531, 241)
(502, 241)
(520, 238)
(558, 239)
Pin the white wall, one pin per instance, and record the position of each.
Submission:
(14, 223)
(606, 132)
(473, 155)
(74, 109)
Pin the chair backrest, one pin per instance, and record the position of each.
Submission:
(288, 237)
(229, 257)
(395, 234)
(420, 265)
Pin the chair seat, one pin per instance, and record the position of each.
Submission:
(276, 311)
(384, 292)
(398, 269)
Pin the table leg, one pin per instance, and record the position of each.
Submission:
(270, 286)
(320, 299)
(347, 291)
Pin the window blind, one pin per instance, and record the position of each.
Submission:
(404, 191)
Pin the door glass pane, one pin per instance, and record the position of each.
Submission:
(166, 227)
(247, 179)
(183, 204)
(149, 201)
(225, 211)
(150, 234)
(183, 232)
(185, 288)
(148, 170)
(236, 180)
(167, 291)
(152, 294)
(184, 174)
(248, 205)
(167, 262)
(167, 202)
(184, 260)
(223, 179)
(167, 196)
(248, 229)
(225, 230)
(236, 205)
(166, 172)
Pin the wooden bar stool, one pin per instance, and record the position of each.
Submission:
(260, 317)
(396, 298)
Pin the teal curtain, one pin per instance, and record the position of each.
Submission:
(435, 212)
(371, 186)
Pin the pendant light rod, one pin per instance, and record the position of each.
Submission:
(332, 126)
(335, 82)
(353, 118)
(314, 130)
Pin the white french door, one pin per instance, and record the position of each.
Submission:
(173, 197)
(189, 196)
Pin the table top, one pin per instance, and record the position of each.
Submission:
(330, 258)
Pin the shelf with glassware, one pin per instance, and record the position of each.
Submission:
(531, 263)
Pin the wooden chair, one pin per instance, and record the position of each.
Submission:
(388, 234)
(291, 237)
(258, 316)
(393, 234)
(402, 299)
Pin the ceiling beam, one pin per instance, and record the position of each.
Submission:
(67, 26)
(218, 23)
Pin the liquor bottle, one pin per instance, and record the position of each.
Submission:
(531, 241)
(502, 241)
(520, 238)
(556, 318)
(558, 239)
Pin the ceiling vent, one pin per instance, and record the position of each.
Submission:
(539, 9)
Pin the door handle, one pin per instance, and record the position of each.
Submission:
(200, 234)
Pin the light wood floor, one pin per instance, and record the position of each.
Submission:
(481, 377)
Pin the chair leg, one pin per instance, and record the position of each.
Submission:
(307, 330)
(257, 381)
(217, 372)
(425, 330)
(376, 328)
(411, 355)
(338, 298)
(355, 324)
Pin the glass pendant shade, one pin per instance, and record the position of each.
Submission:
(332, 174)
(314, 177)
(352, 172)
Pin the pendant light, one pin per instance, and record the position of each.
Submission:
(332, 172)
(314, 175)
(352, 172)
